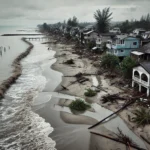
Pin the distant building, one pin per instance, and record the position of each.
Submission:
(115, 30)
(103, 39)
(141, 77)
(99, 42)
(142, 54)
(122, 45)
(146, 35)
(90, 36)
(139, 31)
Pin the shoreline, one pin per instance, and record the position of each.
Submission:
(6, 84)
(113, 107)
(70, 130)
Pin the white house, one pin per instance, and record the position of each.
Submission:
(99, 42)
(90, 36)
(141, 77)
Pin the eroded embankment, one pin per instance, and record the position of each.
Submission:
(16, 71)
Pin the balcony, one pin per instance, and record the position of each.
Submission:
(141, 81)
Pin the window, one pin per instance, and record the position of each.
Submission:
(134, 43)
(122, 50)
(122, 41)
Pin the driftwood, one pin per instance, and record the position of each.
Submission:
(64, 87)
(80, 80)
(145, 139)
(126, 105)
(83, 74)
(116, 140)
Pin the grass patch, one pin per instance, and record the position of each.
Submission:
(79, 105)
(90, 93)
(142, 116)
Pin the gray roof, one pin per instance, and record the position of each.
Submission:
(146, 66)
(145, 49)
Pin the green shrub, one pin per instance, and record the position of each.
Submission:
(79, 105)
(142, 116)
(90, 93)
(110, 62)
(126, 66)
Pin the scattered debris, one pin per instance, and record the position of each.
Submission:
(117, 140)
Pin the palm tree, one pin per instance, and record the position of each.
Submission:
(103, 19)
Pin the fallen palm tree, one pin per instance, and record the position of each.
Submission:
(112, 98)
(16, 71)
(131, 101)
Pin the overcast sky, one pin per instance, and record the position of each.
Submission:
(33, 12)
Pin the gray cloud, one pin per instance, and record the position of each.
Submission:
(39, 11)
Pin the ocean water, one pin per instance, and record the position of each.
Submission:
(20, 127)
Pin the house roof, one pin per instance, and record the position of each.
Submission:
(146, 66)
(89, 32)
(137, 53)
(123, 36)
(145, 49)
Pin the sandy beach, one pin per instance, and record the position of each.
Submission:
(70, 129)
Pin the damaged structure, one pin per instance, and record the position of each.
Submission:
(122, 45)
(141, 77)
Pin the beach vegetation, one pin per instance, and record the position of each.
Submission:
(142, 116)
(90, 93)
(79, 105)
(103, 19)
(110, 62)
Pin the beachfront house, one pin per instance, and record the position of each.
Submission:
(90, 36)
(142, 54)
(141, 77)
(122, 45)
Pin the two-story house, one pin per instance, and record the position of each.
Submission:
(141, 77)
(90, 36)
(103, 39)
(123, 45)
